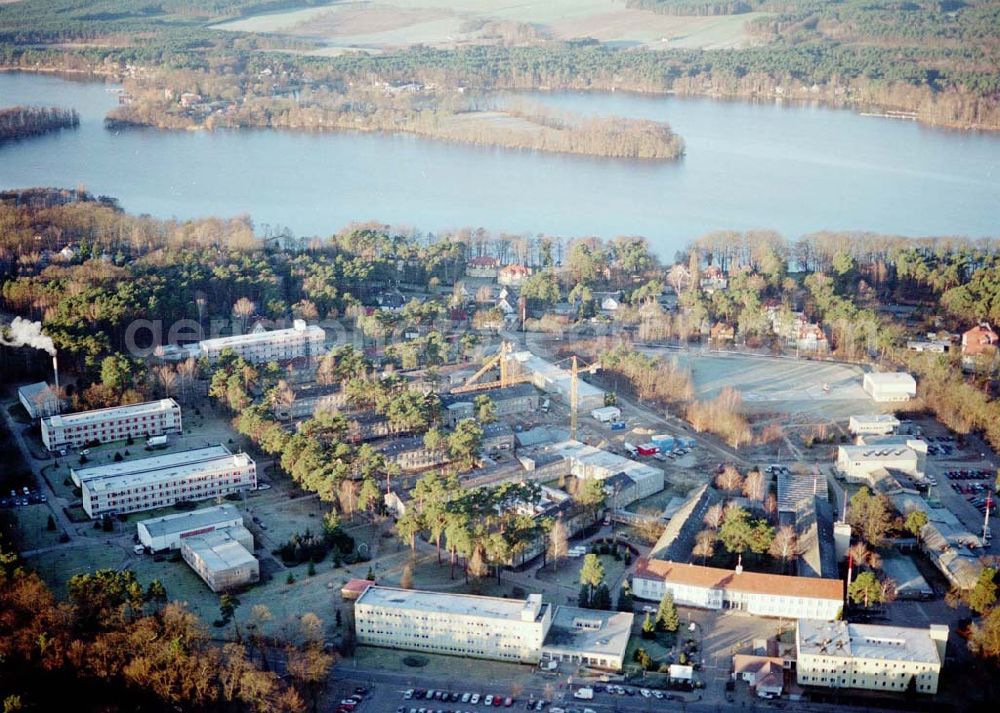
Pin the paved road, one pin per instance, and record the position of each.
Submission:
(55, 503)
(387, 696)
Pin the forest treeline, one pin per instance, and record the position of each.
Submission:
(161, 99)
(687, 8)
(117, 645)
(22, 121)
(933, 59)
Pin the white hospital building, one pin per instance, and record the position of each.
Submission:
(73, 430)
(837, 654)
(453, 624)
(149, 483)
(301, 340)
(167, 532)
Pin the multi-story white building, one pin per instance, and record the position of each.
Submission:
(167, 532)
(223, 558)
(135, 485)
(301, 340)
(73, 430)
(454, 624)
(881, 424)
(836, 654)
(752, 592)
(889, 386)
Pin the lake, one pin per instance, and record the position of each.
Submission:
(792, 168)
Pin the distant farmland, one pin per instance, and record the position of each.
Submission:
(382, 25)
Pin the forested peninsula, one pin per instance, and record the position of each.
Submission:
(158, 100)
(23, 121)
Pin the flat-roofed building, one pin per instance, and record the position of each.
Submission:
(146, 465)
(880, 424)
(889, 386)
(859, 463)
(553, 379)
(507, 401)
(301, 340)
(223, 558)
(135, 485)
(105, 425)
(589, 463)
(453, 624)
(752, 592)
(836, 654)
(167, 532)
(590, 637)
(39, 400)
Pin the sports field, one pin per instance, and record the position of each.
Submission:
(387, 24)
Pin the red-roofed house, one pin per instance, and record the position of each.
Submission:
(354, 589)
(513, 274)
(765, 674)
(481, 266)
(812, 338)
(752, 592)
(979, 339)
(979, 347)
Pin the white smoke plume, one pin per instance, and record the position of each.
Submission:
(23, 333)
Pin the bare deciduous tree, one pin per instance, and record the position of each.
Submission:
(704, 545)
(785, 544)
(714, 516)
(243, 309)
(729, 480)
(754, 486)
(558, 542)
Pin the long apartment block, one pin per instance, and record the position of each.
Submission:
(150, 483)
(301, 340)
(106, 425)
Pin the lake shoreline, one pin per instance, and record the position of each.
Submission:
(797, 169)
(867, 108)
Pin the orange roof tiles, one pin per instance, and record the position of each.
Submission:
(747, 582)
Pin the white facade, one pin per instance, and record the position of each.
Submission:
(607, 414)
(859, 463)
(890, 386)
(453, 624)
(877, 425)
(167, 532)
(260, 347)
(590, 637)
(39, 400)
(752, 592)
(144, 488)
(106, 425)
(223, 558)
(836, 654)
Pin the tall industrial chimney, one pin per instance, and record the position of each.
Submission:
(55, 370)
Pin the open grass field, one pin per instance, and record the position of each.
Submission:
(790, 386)
(387, 24)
